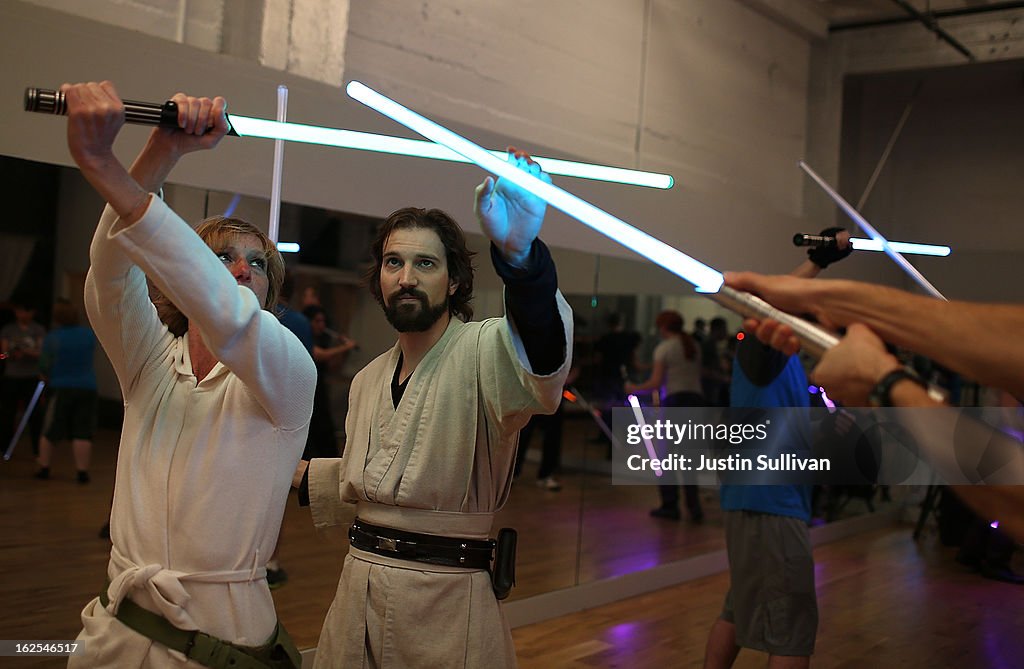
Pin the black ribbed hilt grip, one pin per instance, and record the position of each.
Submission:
(48, 101)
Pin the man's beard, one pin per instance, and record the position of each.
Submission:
(409, 317)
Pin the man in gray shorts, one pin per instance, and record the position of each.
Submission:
(771, 605)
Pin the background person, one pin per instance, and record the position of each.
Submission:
(67, 363)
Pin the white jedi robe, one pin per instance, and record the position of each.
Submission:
(203, 470)
(441, 463)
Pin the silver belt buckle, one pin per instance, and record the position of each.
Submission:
(386, 544)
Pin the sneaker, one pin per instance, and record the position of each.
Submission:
(549, 483)
(276, 578)
(43, 473)
(666, 512)
(83, 477)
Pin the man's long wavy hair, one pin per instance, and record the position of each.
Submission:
(217, 232)
(458, 257)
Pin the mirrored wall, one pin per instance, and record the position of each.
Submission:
(575, 527)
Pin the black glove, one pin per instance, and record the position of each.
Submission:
(823, 256)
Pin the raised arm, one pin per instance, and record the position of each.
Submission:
(138, 230)
(511, 218)
(117, 297)
(95, 117)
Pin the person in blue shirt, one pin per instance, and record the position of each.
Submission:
(66, 361)
(771, 605)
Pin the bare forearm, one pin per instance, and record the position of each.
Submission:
(115, 185)
(154, 163)
(806, 270)
(977, 340)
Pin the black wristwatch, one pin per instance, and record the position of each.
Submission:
(881, 395)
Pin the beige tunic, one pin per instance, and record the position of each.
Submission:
(203, 470)
(440, 464)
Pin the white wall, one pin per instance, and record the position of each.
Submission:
(714, 91)
(723, 92)
(954, 175)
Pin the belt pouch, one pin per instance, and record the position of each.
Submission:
(503, 575)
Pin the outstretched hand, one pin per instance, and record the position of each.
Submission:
(510, 216)
(851, 369)
(788, 293)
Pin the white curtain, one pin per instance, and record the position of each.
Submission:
(15, 252)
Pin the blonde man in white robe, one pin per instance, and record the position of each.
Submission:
(432, 431)
(215, 420)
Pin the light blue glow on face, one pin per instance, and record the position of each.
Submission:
(911, 248)
(247, 126)
(705, 278)
(288, 247)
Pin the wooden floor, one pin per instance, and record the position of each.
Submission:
(885, 601)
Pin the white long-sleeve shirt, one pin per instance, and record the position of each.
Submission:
(204, 466)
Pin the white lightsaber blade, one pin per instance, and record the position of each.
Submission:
(816, 340)
(24, 419)
(277, 176)
(247, 126)
(577, 396)
(705, 278)
(910, 248)
(638, 413)
(874, 234)
(49, 101)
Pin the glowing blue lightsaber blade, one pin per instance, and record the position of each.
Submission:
(910, 248)
(705, 278)
(816, 340)
(247, 126)
(874, 234)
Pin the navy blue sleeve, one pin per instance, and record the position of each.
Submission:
(761, 363)
(530, 300)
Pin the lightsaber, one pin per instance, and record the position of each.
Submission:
(861, 244)
(277, 176)
(48, 101)
(909, 248)
(639, 415)
(575, 396)
(24, 419)
(874, 234)
(816, 340)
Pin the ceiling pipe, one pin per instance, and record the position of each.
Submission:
(928, 19)
(941, 14)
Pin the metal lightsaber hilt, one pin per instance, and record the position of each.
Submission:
(814, 338)
(49, 101)
(802, 239)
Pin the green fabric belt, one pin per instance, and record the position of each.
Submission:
(278, 653)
